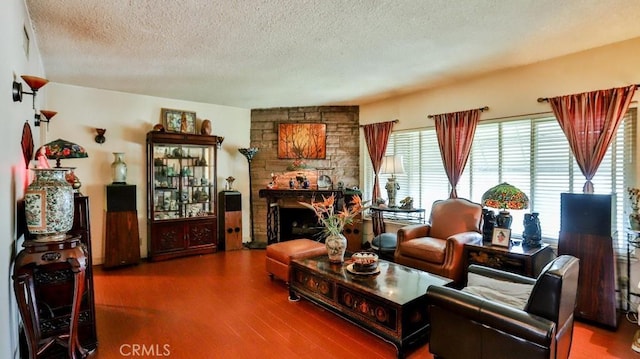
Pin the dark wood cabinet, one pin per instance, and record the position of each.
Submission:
(182, 195)
(122, 237)
(585, 233)
(515, 259)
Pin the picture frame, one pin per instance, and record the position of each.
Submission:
(501, 237)
(302, 140)
(172, 120)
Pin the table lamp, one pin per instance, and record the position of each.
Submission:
(63, 149)
(505, 196)
(392, 165)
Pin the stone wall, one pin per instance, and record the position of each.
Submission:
(342, 162)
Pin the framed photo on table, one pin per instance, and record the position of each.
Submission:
(501, 237)
(178, 120)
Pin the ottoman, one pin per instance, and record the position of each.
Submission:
(385, 245)
(280, 254)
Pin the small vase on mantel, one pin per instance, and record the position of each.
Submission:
(336, 247)
(119, 169)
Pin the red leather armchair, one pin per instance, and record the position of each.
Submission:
(438, 247)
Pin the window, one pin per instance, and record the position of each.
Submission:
(531, 154)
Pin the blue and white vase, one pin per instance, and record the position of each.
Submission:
(49, 205)
(336, 247)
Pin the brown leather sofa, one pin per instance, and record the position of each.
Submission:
(471, 326)
(437, 247)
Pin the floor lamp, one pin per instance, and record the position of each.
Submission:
(249, 153)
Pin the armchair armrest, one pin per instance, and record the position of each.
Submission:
(413, 231)
(454, 253)
(500, 274)
(518, 323)
(466, 237)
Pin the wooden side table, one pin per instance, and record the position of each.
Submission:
(37, 264)
(379, 214)
(515, 259)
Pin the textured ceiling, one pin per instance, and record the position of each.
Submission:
(272, 53)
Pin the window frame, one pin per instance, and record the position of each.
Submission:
(418, 169)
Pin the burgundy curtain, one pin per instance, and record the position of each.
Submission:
(590, 120)
(455, 133)
(376, 135)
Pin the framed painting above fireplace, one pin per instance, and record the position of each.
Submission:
(302, 140)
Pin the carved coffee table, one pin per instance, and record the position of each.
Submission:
(391, 304)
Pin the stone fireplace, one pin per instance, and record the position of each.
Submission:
(342, 162)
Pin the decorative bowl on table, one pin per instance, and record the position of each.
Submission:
(365, 262)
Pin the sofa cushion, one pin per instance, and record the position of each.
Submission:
(511, 294)
(427, 249)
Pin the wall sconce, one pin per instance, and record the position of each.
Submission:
(47, 115)
(219, 140)
(35, 83)
(100, 137)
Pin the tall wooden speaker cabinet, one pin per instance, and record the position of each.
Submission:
(353, 231)
(230, 218)
(585, 233)
(122, 237)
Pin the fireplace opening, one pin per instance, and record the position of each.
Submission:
(299, 223)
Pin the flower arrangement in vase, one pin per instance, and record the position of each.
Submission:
(334, 222)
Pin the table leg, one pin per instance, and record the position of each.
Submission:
(74, 346)
(24, 290)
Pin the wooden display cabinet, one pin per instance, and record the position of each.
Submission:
(181, 198)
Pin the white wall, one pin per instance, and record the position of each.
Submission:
(128, 118)
(515, 91)
(14, 177)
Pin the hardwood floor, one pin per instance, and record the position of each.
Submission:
(224, 305)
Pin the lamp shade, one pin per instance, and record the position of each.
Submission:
(34, 82)
(60, 149)
(392, 165)
(505, 196)
(248, 152)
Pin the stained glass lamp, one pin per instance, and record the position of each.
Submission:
(63, 149)
(505, 196)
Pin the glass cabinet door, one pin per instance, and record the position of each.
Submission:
(183, 181)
